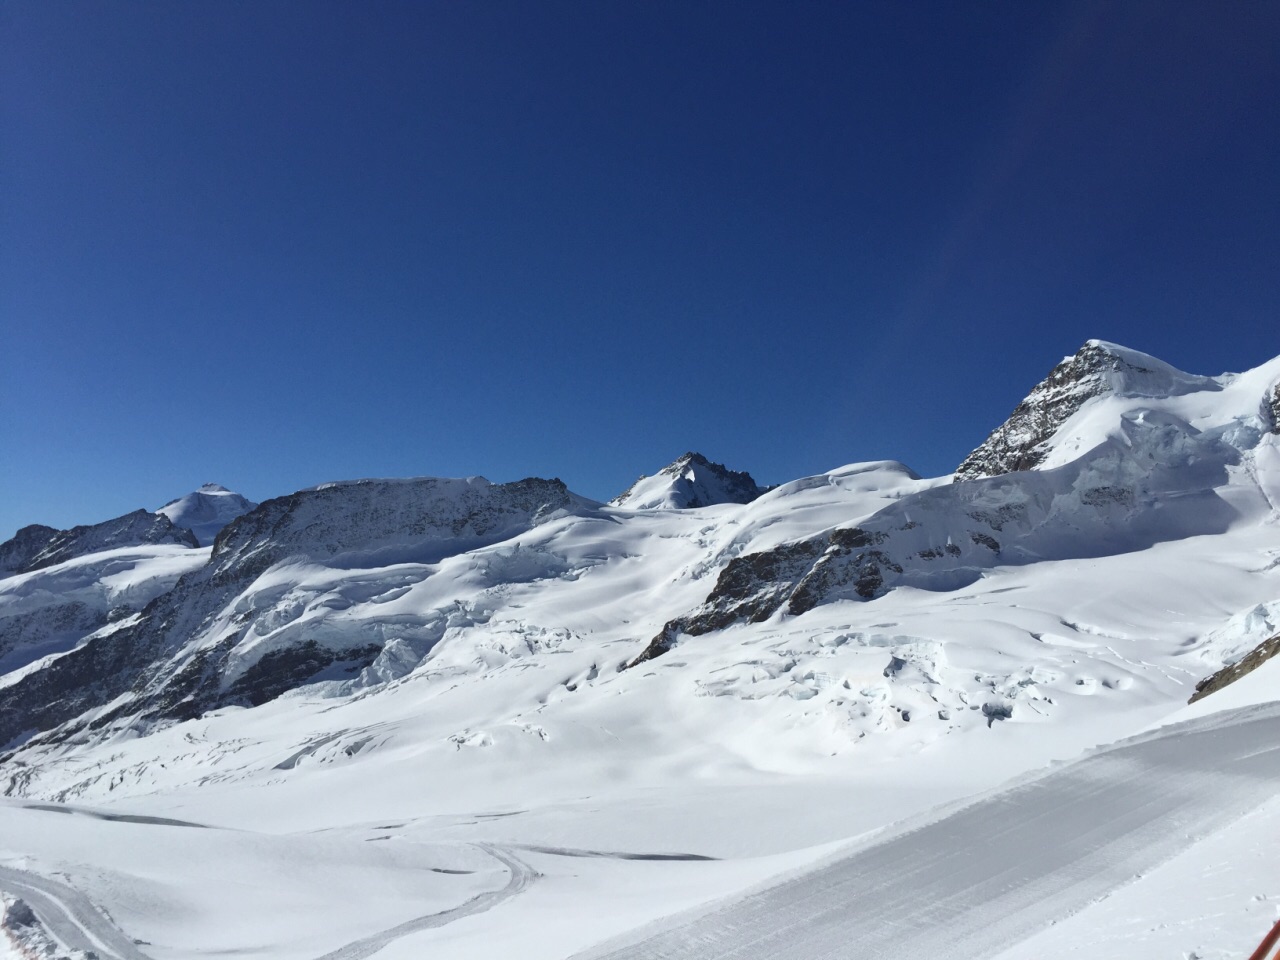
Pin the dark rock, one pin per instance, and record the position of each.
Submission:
(1233, 672)
(990, 542)
(997, 711)
(1097, 368)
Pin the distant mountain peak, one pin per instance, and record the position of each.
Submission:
(1098, 368)
(206, 511)
(689, 481)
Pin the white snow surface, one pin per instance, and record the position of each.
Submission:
(997, 762)
(49, 611)
(206, 511)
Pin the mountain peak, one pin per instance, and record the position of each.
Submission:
(689, 481)
(1098, 368)
(206, 511)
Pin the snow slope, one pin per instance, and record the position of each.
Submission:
(1008, 866)
(399, 677)
(206, 511)
(691, 481)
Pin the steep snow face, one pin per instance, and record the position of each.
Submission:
(226, 633)
(1097, 369)
(206, 511)
(50, 610)
(36, 547)
(1124, 471)
(691, 481)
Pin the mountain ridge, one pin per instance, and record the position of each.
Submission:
(360, 586)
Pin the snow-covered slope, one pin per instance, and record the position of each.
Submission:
(1098, 369)
(225, 633)
(688, 482)
(36, 547)
(1138, 454)
(437, 692)
(52, 609)
(206, 511)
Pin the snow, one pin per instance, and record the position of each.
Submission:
(206, 511)
(690, 482)
(991, 758)
(51, 610)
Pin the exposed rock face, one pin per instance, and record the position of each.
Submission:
(174, 661)
(1098, 368)
(1233, 672)
(691, 481)
(366, 520)
(1273, 408)
(37, 547)
(206, 511)
(44, 630)
(1118, 498)
(15, 554)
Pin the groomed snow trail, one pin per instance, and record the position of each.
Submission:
(521, 876)
(69, 915)
(973, 884)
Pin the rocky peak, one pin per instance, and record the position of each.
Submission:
(206, 511)
(690, 481)
(1097, 369)
(15, 554)
(36, 547)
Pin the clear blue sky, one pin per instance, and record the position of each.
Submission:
(274, 244)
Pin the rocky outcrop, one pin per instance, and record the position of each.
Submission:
(1154, 482)
(1233, 672)
(15, 554)
(1272, 408)
(689, 482)
(37, 547)
(1098, 368)
(175, 661)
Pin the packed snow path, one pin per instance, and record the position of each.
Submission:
(978, 881)
(69, 915)
(521, 876)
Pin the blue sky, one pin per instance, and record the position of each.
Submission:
(274, 244)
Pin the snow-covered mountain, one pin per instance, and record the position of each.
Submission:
(689, 482)
(206, 511)
(506, 702)
(1096, 370)
(37, 547)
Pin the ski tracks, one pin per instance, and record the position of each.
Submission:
(69, 915)
(521, 875)
(974, 883)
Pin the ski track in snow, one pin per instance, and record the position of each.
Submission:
(521, 876)
(69, 915)
(990, 875)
